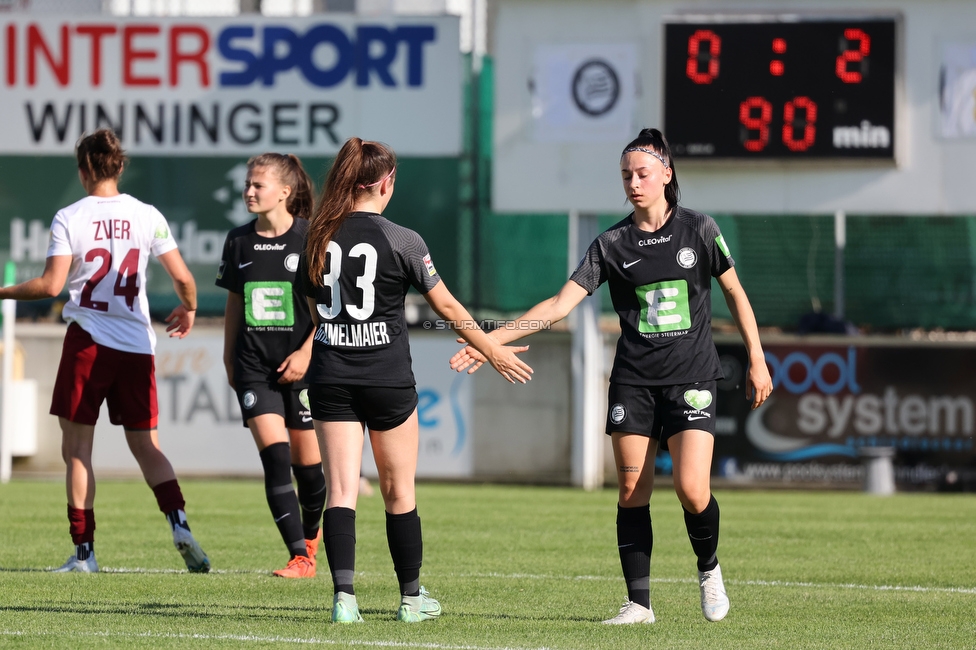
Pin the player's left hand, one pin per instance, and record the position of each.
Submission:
(758, 384)
(467, 358)
(293, 367)
(180, 322)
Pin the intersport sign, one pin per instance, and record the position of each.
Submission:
(230, 86)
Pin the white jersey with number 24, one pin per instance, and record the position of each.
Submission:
(109, 240)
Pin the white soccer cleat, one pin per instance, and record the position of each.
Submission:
(631, 613)
(80, 566)
(714, 600)
(196, 560)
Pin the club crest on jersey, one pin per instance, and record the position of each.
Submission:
(618, 413)
(291, 262)
(687, 258)
(429, 265)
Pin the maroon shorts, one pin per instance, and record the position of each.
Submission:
(90, 373)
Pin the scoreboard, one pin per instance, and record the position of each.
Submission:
(780, 87)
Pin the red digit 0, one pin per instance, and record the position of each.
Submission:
(790, 122)
(848, 55)
(751, 123)
(696, 56)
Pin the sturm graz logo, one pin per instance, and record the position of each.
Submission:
(250, 399)
(617, 413)
(596, 87)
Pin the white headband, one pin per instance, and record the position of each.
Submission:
(647, 151)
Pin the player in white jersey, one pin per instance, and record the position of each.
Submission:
(100, 247)
(658, 263)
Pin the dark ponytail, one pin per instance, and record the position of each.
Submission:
(100, 156)
(359, 167)
(655, 140)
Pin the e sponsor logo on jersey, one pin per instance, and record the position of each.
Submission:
(664, 307)
(429, 264)
(687, 258)
(269, 304)
(291, 262)
(618, 413)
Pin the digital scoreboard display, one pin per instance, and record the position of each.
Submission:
(780, 89)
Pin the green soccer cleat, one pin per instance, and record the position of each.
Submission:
(422, 607)
(345, 609)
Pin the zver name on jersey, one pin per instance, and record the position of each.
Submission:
(352, 335)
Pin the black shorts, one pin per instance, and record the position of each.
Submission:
(661, 411)
(285, 400)
(380, 407)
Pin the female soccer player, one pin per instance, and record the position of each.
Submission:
(356, 271)
(659, 262)
(101, 245)
(267, 343)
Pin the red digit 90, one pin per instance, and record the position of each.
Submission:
(799, 133)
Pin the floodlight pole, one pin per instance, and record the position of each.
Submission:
(9, 310)
(840, 243)
(588, 388)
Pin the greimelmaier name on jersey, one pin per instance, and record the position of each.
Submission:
(352, 335)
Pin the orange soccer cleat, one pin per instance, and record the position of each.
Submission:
(298, 567)
(312, 546)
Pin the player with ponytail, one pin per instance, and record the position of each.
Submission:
(356, 270)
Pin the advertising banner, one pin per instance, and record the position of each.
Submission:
(231, 86)
(201, 431)
(830, 401)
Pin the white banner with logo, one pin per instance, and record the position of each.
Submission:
(231, 86)
(958, 96)
(584, 93)
(201, 432)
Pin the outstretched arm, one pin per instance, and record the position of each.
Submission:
(758, 384)
(181, 319)
(49, 285)
(541, 316)
(501, 357)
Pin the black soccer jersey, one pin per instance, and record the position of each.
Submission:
(660, 285)
(362, 335)
(276, 318)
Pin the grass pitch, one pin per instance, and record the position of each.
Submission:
(514, 567)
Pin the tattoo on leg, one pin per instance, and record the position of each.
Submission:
(628, 469)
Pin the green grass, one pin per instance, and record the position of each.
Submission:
(514, 567)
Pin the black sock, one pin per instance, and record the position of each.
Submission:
(407, 549)
(340, 547)
(634, 542)
(311, 496)
(703, 533)
(84, 550)
(276, 460)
